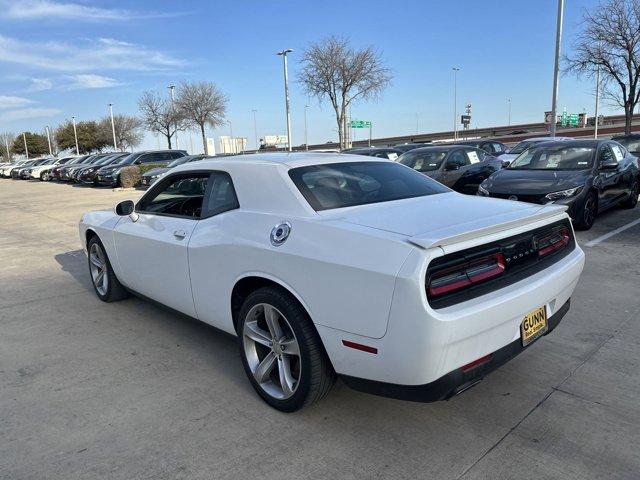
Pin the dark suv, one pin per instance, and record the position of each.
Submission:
(109, 175)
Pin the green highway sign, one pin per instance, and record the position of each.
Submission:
(360, 124)
(574, 120)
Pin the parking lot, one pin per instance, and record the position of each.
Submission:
(129, 390)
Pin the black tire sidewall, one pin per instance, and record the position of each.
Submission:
(581, 224)
(109, 273)
(295, 316)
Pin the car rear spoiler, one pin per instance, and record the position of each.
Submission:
(484, 226)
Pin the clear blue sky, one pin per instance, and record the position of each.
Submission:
(60, 58)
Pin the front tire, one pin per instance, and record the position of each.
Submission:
(281, 351)
(104, 281)
(44, 176)
(587, 214)
(632, 201)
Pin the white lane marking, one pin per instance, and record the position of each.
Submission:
(606, 236)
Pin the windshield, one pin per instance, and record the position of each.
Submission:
(631, 144)
(425, 161)
(554, 157)
(522, 146)
(179, 161)
(340, 185)
(128, 159)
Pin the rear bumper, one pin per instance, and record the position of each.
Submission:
(454, 382)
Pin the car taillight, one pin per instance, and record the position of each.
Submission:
(553, 241)
(465, 274)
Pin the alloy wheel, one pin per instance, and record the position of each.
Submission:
(589, 213)
(272, 351)
(98, 267)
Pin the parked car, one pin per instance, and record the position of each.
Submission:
(110, 174)
(55, 171)
(65, 171)
(100, 158)
(87, 174)
(5, 171)
(405, 147)
(326, 264)
(588, 176)
(492, 147)
(154, 174)
(528, 143)
(458, 167)
(630, 142)
(378, 152)
(43, 171)
(25, 173)
(19, 172)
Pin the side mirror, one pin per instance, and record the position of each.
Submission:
(609, 165)
(125, 208)
(452, 166)
(505, 163)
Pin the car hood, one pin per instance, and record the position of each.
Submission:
(534, 182)
(443, 219)
(154, 171)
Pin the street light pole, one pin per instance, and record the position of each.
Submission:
(455, 102)
(556, 69)
(306, 137)
(48, 139)
(75, 134)
(171, 87)
(284, 53)
(26, 150)
(6, 142)
(595, 125)
(255, 129)
(113, 127)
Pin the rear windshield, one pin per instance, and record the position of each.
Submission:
(338, 185)
(423, 160)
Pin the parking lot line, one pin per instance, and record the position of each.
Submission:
(606, 236)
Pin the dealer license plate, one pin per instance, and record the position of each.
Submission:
(534, 325)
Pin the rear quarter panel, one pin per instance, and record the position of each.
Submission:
(343, 275)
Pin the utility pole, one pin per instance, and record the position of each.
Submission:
(556, 69)
(49, 139)
(171, 87)
(455, 102)
(595, 125)
(255, 129)
(26, 150)
(6, 142)
(113, 127)
(75, 134)
(284, 53)
(306, 137)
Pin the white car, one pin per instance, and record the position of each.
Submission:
(5, 171)
(43, 171)
(329, 264)
(526, 144)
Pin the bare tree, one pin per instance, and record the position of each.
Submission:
(201, 104)
(6, 138)
(159, 116)
(128, 130)
(610, 41)
(333, 69)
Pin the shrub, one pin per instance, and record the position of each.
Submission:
(130, 176)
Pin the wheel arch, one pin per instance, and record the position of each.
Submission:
(251, 282)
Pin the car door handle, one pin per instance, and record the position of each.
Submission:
(180, 234)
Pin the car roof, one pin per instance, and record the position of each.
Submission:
(288, 160)
(540, 139)
(574, 143)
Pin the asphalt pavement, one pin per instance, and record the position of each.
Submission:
(129, 390)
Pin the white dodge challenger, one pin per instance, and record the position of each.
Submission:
(329, 265)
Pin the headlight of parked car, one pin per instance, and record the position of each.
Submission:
(564, 193)
(483, 191)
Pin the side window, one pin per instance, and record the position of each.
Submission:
(617, 152)
(498, 148)
(174, 155)
(458, 159)
(146, 158)
(179, 196)
(223, 196)
(606, 155)
(475, 155)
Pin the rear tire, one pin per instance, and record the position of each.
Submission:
(587, 214)
(104, 281)
(632, 201)
(281, 351)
